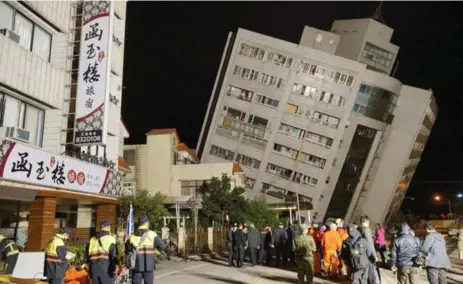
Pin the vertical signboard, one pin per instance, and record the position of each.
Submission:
(94, 74)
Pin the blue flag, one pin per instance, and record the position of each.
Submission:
(129, 226)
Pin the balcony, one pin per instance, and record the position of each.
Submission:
(26, 72)
(241, 126)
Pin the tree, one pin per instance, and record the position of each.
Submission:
(144, 203)
(261, 214)
(219, 199)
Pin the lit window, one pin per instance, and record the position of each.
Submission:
(319, 38)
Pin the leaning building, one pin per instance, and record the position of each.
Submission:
(323, 121)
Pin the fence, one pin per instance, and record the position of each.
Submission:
(201, 245)
(219, 237)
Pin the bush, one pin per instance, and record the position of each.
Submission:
(79, 250)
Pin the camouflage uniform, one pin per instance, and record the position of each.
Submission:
(304, 247)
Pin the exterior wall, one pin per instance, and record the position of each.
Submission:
(319, 39)
(57, 12)
(398, 144)
(276, 116)
(396, 132)
(201, 172)
(161, 150)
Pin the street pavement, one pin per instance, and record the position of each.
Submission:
(208, 271)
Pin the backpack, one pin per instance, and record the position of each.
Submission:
(359, 259)
(131, 256)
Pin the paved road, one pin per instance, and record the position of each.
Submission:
(217, 271)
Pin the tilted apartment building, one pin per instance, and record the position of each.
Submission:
(322, 119)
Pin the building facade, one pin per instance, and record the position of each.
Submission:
(307, 120)
(49, 181)
(166, 165)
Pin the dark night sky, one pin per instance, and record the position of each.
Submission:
(173, 50)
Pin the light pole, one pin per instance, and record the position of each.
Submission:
(439, 198)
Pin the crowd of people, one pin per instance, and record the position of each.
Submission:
(337, 250)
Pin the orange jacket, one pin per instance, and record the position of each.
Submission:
(343, 234)
(314, 233)
(331, 240)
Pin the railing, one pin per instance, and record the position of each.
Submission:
(201, 245)
(220, 239)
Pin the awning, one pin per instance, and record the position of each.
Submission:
(185, 202)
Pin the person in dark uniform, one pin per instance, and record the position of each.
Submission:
(231, 246)
(143, 241)
(102, 255)
(55, 257)
(9, 253)
(240, 242)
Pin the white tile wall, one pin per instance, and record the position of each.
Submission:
(57, 12)
(52, 131)
(29, 74)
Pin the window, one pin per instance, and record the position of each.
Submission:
(273, 190)
(251, 51)
(222, 153)
(32, 37)
(240, 93)
(15, 113)
(247, 161)
(279, 171)
(322, 72)
(285, 151)
(272, 81)
(257, 121)
(42, 43)
(374, 55)
(245, 73)
(319, 38)
(192, 187)
(291, 108)
(6, 16)
(280, 60)
(23, 27)
(267, 101)
(292, 131)
(304, 179)
(233, 113)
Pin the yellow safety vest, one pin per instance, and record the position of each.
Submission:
(12, 250)
(51, 253)
(143, 245)
(97, 251)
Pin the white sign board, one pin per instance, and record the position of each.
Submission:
(94, 74)
(28, 164)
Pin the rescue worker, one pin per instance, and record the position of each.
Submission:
(344, 235)
(55, 257)
(304, 248)
(356, 253)
(331, 243)
(143, 241)
(102, 255)
(9, 253)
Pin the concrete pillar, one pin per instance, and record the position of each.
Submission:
(165, 233)
(210, 238)
(181, 241)
(41, 223)
(106, 211)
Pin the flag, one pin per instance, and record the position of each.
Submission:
(129, 226)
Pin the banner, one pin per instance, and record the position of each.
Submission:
(23, 163)
(94, 74)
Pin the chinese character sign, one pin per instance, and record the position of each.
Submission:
(94, 73)
(27, 164)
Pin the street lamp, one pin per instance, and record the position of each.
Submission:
(459, 195)
(439, 198)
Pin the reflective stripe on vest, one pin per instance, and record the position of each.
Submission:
(97, 251)
(51, 253)
(12, 250)
(145, 247)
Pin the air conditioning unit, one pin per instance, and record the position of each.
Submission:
(10, 34)
(15, 133)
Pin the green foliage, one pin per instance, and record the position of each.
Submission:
(79, 250)
(260, 214)
(219, 199)
(144, 204)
